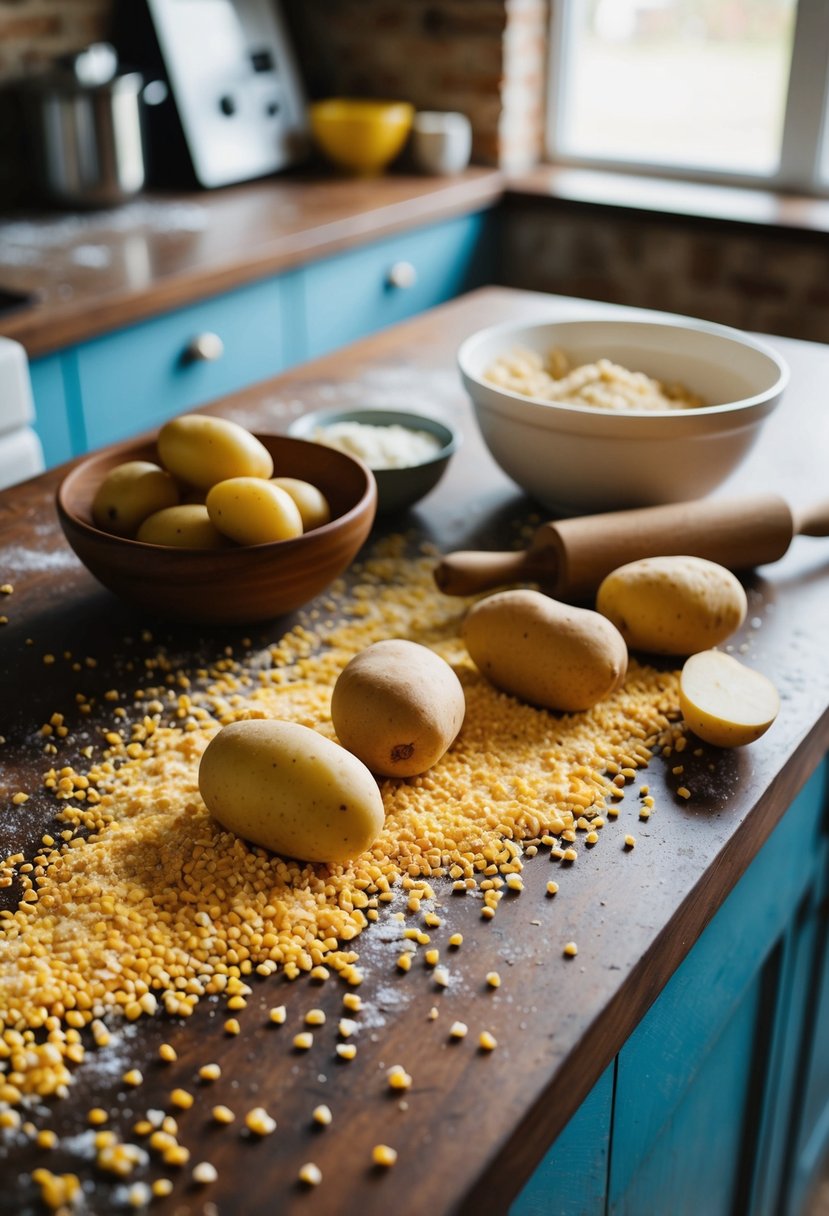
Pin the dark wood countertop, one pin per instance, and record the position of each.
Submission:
(475, 1125)
(92, 273)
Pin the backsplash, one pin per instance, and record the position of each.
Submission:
(771, 281)
(485, 59)
(32, 32)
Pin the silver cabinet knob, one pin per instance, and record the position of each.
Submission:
(204, 348)
(401, 274)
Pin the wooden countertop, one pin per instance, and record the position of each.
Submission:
(91, 273)
(475, 1125)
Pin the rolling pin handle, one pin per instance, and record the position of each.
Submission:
(812, 520)
(468, 573)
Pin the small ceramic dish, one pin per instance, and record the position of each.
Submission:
(240, 584)
(400, 487)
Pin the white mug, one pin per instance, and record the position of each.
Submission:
(441, 141)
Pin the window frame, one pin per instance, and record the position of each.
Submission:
(804, 154)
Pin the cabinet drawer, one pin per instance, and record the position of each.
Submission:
(136, 378)
(364, 290)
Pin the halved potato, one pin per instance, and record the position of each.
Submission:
(725, 702)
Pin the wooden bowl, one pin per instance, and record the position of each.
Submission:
(240, 584)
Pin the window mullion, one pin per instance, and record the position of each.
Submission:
(806, 100)
(561, 18)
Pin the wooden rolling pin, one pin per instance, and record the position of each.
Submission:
(568, 558)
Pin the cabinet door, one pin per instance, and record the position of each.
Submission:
(366, 289)
(702, 1095)
(136, 378)
(57, 425)
(572, 1178)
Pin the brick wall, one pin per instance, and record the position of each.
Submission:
(486, 59)
(32, 32)
(766, 280)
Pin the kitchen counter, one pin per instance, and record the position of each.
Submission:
(92, 273)
(474, 1125)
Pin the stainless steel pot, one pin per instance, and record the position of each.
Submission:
(86, 126)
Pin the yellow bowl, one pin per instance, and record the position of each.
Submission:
(359, 135)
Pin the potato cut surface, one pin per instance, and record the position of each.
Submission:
(725, 702)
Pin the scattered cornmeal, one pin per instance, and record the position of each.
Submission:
(259, 1121)
(398, 1078)
(136, 789)
(383, 1155)
(571, 950)
(310, 1174)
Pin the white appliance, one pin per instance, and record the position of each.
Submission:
(223, 101)
(21, 454)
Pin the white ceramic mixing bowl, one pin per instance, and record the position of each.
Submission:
(576, 458)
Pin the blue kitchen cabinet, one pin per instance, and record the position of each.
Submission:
(572, 1178)
(720, 1097)
(133, 379)
(812, 1124)
(54, 419)
(363, 290)
(138, 377)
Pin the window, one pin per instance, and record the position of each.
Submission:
(731, 90)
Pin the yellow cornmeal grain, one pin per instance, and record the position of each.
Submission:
(143, 900)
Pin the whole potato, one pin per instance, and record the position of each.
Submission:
(252, 511)
(201, 450)
(187, 526)
(312, 503)
(398, 706)
(129, 493)
(673, 605)
(288, 788)
(545, 652)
